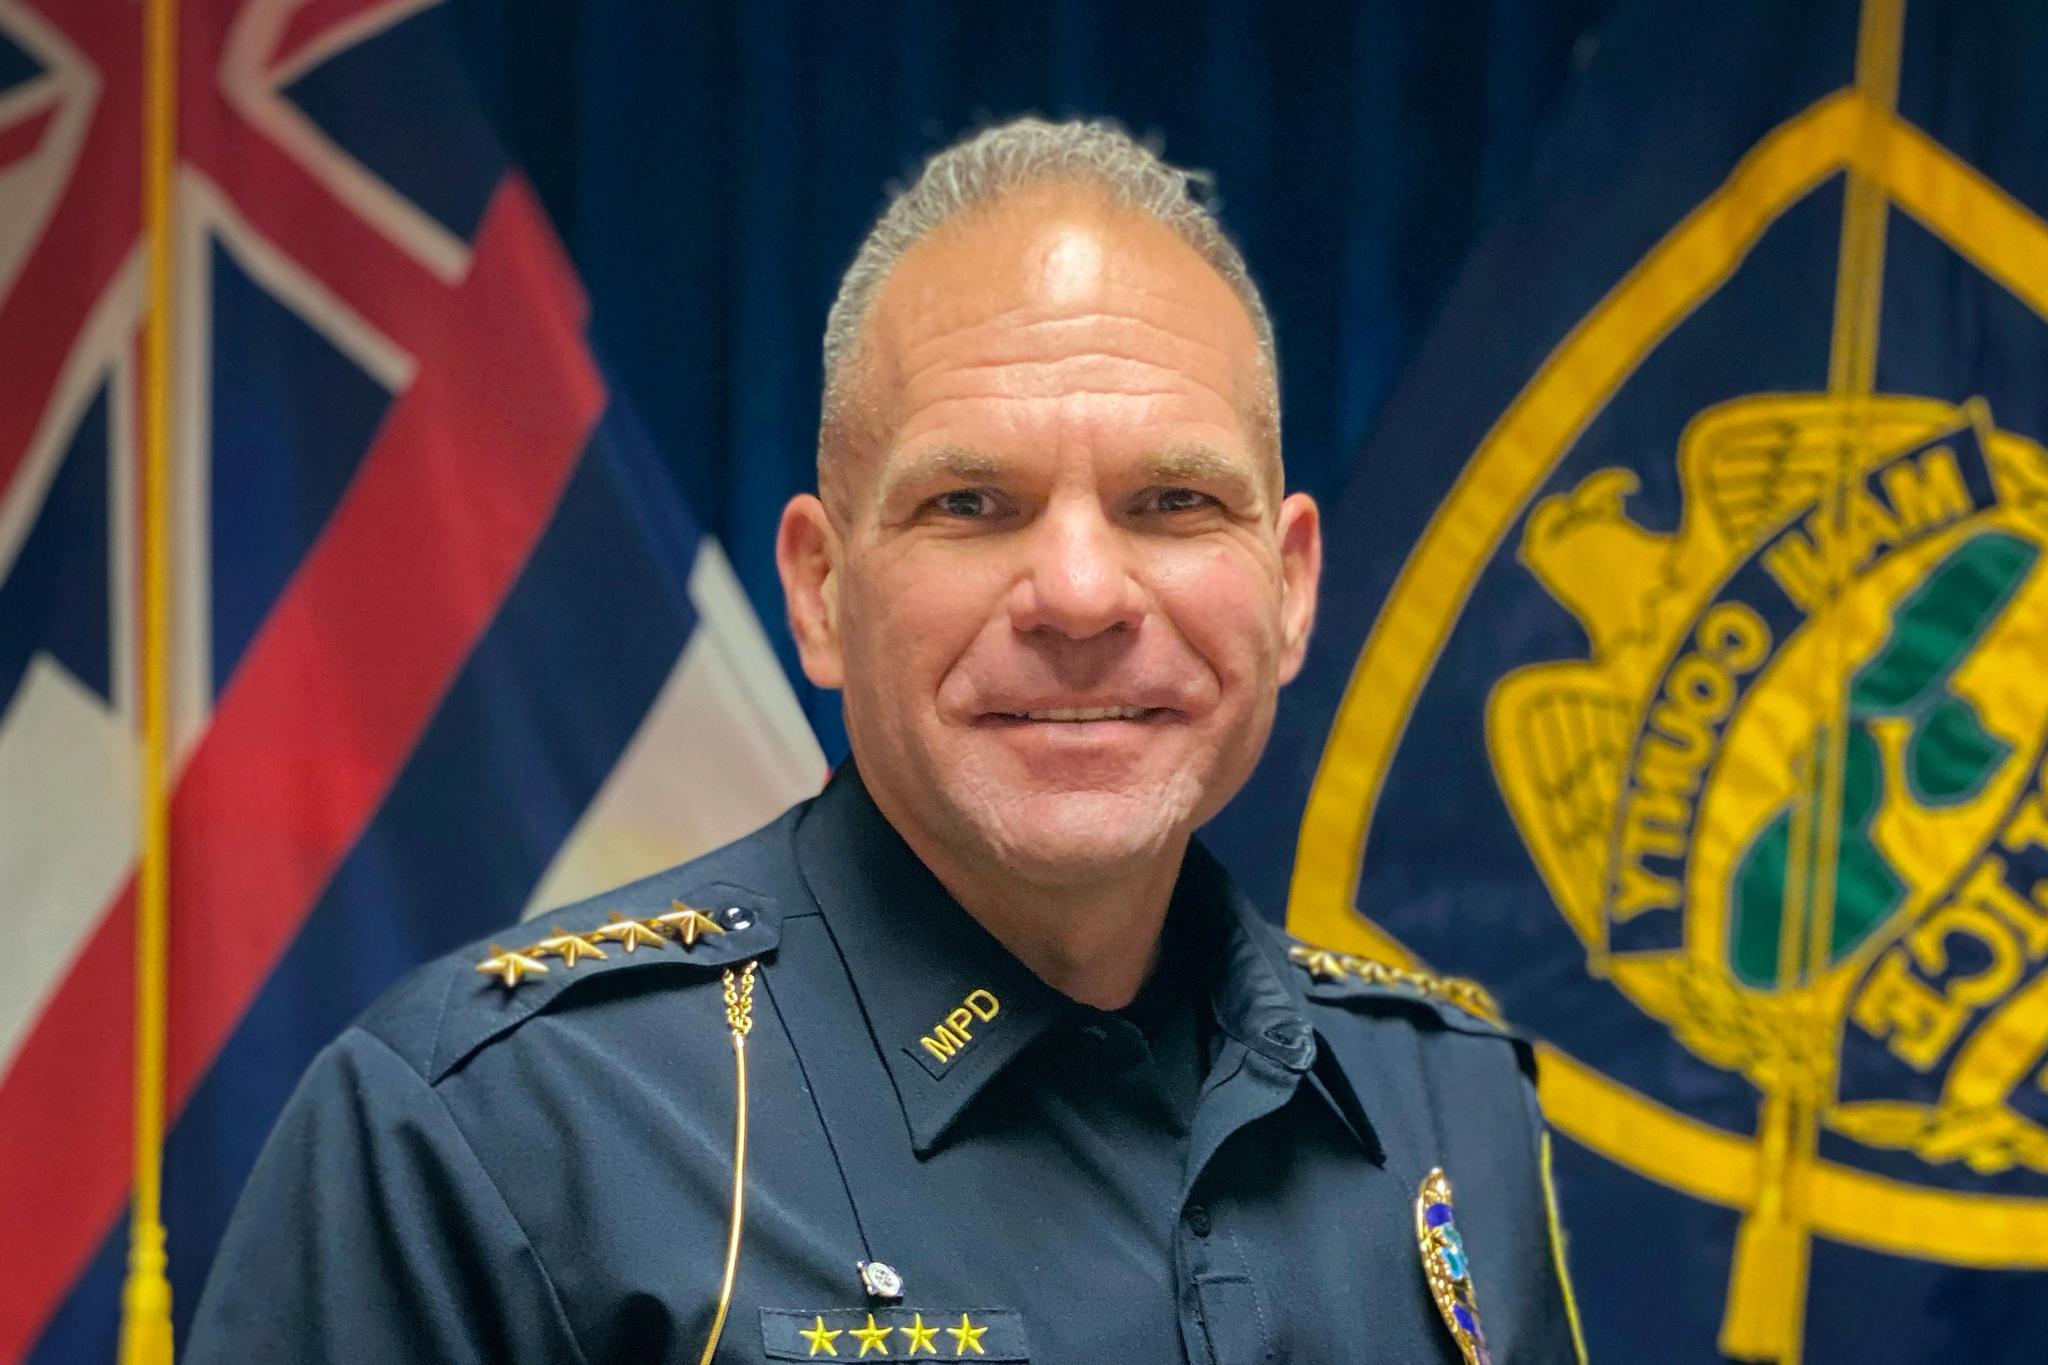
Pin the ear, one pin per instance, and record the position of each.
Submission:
(1301, 570)
(807, 555)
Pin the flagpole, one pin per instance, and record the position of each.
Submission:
(146, 1296)
(1767, 1284)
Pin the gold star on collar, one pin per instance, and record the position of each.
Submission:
(688, 924)
(571, 948)
(511, 966)
(630, 934)
(967, 1337)
(920, 1335)
(873, 1338)
(821, 1337)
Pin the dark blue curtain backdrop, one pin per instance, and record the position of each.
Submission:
(713, 164)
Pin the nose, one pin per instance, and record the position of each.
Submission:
(1077, 580)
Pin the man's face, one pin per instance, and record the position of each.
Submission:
(1058, 585)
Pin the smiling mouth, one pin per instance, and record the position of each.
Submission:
(1076, 715)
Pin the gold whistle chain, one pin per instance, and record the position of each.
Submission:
(739, 1017)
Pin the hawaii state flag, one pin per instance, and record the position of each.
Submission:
(445, 646)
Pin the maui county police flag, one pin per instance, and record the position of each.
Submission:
(444, 642)
(1685, 676)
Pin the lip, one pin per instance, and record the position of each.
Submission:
(1077, 717)
(1100, 713)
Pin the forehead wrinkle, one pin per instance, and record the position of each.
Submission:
(1026, 330)
(1035, 373)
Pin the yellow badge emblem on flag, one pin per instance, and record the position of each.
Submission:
(1791, 799)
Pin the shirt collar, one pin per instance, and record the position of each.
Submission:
(948, 1007)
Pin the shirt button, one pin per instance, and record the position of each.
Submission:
(1197, 1219)
(1286, 1035)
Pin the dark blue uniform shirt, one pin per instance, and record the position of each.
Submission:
(1225, 1172)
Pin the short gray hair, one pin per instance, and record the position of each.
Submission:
(1033, 151)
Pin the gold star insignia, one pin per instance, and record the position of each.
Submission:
(511, 966)
(688, 924)
(1320, 962)
(967, 1337)
(569, 947)
(820, 1337)
(873, 1338)
(920, 1335)
(630, 934)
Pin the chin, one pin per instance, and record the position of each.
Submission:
(1062, 838)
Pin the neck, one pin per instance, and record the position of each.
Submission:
(1093, 939)
(1095, 943)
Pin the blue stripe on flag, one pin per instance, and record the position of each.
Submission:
(438, 152)
(292, 419)
(55, 597)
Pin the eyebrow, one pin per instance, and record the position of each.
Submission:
(1195, 463)
(1189, 463)
(960, 463)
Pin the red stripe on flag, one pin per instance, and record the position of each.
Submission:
(90, 231)
(18, 140)
(313, 729)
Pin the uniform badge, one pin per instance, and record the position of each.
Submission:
(880, 1279)
(1444, 1265)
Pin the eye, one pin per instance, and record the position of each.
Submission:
(968, 504)
(1171, 500)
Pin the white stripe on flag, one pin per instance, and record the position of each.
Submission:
(67, 811)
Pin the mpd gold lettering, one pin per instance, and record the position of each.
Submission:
(956, 1030)
(942, 1043)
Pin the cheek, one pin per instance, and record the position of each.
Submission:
(1225, 601)
(914, 617)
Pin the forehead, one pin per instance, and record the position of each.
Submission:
(1059, 295)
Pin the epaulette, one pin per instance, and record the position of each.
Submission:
(1335, 976)
(669, 923)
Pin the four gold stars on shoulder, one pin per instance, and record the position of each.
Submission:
(684, 923)
(1326, 965)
